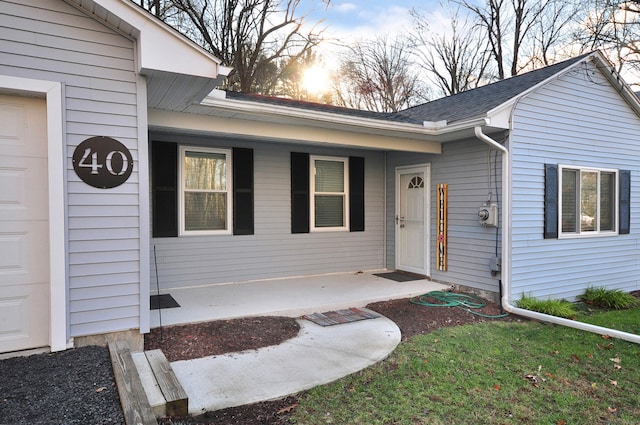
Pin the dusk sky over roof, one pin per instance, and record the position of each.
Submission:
(349, 21)
(364, 18)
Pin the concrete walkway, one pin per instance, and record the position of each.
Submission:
(318, 355)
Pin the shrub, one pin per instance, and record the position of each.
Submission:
(559, 308)
(608, 298)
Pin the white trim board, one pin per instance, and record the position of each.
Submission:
(53, 92)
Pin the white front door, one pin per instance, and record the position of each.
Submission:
(412, 196)
(24, 224)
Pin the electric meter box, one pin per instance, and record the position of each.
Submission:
(488, 215)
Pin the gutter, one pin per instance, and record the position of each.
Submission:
(218, 100)
(505, 283)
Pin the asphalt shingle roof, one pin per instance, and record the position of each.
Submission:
(472, 103)
(479, 101)
(319, 107)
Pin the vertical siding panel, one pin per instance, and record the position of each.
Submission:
(50, 40)
(579, 120)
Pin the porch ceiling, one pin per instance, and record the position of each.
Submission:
(171, 91)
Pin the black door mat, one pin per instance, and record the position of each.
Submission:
(400, 276)
(330, 318)
(163, 301)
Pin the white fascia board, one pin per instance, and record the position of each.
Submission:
(434, 125)
(162, 48)
(273, 112)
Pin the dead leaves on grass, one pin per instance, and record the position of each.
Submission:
(288, 409)
(616, 360)
(535, 379)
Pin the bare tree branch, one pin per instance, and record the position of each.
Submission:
(378, 76)
(453, 59)
(254, 37)
(513, 28)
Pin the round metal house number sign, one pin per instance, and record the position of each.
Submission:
(102, 162)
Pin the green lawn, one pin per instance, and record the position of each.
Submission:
(492, 373)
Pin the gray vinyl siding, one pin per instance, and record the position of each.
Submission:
(273, 251)
(50, 40)
(578, 120)
(465, 167)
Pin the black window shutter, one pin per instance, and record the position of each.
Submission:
(356, 194)
(164, 189)
(550, 201)
(299, 192)
(242, 191)
(624, 204)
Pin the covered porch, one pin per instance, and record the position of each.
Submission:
(291, 297)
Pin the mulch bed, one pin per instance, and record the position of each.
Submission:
(196, 340)
(228, 336)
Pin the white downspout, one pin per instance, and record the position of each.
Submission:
(506, 257)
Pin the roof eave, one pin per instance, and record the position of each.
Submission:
(159, 47)
(277, 113)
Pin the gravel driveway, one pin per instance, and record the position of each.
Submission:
(70, 387)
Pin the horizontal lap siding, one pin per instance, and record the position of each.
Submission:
(465, 167)
(580, 120)
(273, 251)
(50, 40)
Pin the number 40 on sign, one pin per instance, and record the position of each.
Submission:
(102, 162)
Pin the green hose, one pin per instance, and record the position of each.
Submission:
(452, 299)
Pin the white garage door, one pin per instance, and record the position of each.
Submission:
(24, 226)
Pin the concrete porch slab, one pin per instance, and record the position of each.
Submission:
(291, 297)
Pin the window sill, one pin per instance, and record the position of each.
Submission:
(205, 233)
(328, 229)
(586, 235)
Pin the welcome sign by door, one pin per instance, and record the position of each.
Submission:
(441, 248)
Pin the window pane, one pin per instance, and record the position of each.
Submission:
(329, 176)
(588, 200)
(205, 211)
(205, 170)
(607, 201)
(329, 211)
(569, 201)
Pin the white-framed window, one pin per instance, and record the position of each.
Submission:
(329, 193)
(205, 191)
(588, 201)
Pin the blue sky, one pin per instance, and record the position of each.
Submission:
(353, 19)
